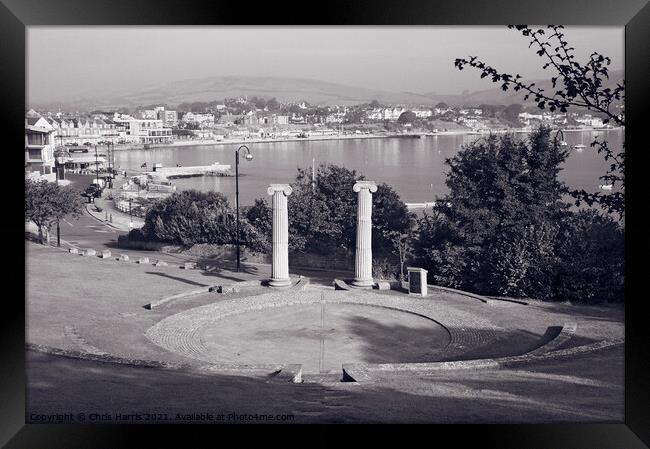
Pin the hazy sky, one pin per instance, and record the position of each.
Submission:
(86, 61)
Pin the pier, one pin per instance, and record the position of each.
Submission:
(215, 169)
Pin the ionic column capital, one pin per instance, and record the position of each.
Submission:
(284, 188)
(370, 185)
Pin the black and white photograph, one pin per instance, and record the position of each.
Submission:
(325, 224)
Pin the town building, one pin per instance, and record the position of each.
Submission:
(375, 114)
(39, 149)
(149, 114)
(588, 120)
(146, 131)
(85, 130)
(200, 119)
(169, 118)
(282, 119)
(393, 114)
(422, 113)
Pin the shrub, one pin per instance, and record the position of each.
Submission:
(591, 259)
(191, 217)
(136, 235)
(385, 269)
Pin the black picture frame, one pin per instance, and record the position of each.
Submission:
(16, 15)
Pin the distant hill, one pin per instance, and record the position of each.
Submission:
(220, 87)
(287, 90)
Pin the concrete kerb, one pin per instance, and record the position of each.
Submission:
(565, 334)
(460, 292)
(289, 373)
(362, 372)
(272, 372)
(167, 299)
(235, 287)
(137, 223)
(302, 283)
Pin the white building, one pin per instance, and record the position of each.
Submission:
(201, 119)
(588, 120)
(375, 114)
(83, 130)
(150, 114)
(336, 117)
(393, 113)
(282, 119)
(169, 118)
(146, 131)
(39, 149)
(422, 113)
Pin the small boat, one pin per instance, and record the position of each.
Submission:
(563, 143)
(579, 147)
(606, 186)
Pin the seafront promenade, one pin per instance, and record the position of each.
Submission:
(312, 138)
(244, 141)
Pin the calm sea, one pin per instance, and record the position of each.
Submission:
(414, 167)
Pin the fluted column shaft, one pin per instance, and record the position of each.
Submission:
(280, 262)
(363, 254)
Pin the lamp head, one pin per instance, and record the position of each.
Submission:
(249, 157)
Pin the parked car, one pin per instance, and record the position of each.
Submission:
(93, 190)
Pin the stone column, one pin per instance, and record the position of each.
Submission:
(280, 266)
(363, 256)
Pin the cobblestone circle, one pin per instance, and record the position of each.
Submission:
(180, 333)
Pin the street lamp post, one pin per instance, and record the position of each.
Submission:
(130, 215)
(248, 157)
(96, 167)
(109, 154)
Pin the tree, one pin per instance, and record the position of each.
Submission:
(442, 105)
(258, 102)
(375, 104)
(47, 203)
(407, 117)
(505, 203)
(583, 86)
(273, 104)
(355, 115)
(511, 113)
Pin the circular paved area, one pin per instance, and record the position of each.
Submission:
(322, 336)
(321, 330)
